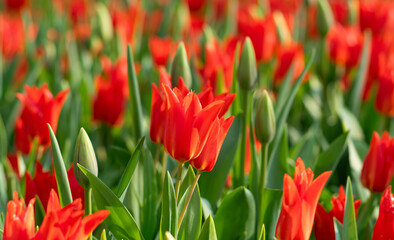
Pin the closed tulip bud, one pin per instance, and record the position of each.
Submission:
(247, 70)
(265, 123)
(325, 18)
(84, 156)
(180, 67)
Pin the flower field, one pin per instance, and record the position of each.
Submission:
(196, 119)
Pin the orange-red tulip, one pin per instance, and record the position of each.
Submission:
(384, 226)
(288, 54)
(324, 221)
(376, 15)
(160, 49)
(39, 108)
(11, 26)
(384, 102)
(378, 167)
(300, 198)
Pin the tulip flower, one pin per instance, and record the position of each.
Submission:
(39, 108)
(384, 102)
(59, 223)
(44, 181)
(376, 15)
(324, 221)
(160, 49)
(300, 198)
(79, 17)
(187, 124)
(15, 5)
(112, 92)
(288, 54)
(384, 226)
(11, 26)
(378, 167)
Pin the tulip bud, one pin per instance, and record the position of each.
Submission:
(325, 18)
(84, 155)
(265, 123)
(247, 70)
(180, 67)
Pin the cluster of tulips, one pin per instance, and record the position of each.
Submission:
(197, 119)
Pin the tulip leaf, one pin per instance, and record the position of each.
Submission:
(134, 96)
(284, 90)
(212, 183)
(39, 212)
(120, 222)
(3, 141)
(128, 172)
(262, 233)
(63, 185)
(208, 231)
(236, 106)
(349, 230)
(356, 92)
(169, 219)
(191, 222)
(338, 229)
(272, 204)
(282, 115)
(329, 159)
(236, 215)
(277, 169)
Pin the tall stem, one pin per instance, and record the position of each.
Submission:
(178, 179)
(88, 204)
(263, 177)
(194, 184)
(240, 175)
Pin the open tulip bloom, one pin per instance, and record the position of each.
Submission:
(196, 119)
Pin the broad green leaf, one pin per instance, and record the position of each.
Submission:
(272, 204)
(278, 167)
(236, 215)
(169, 219)
(212, 183)
(191, 222)
(356, 165)
(350, 123)
(119, 222)
(349, 230)
(356, 92)
(329, 159)
(208, 231)
(134, 95)
(128, 172)
(63, 185)
(338, 229)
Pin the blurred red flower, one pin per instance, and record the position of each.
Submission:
(324, 221)
(111, 92)
(44, 181)
(161, 49)
(15, 5)
(378, 166)
(39, 108)
(288, 54)
(79, 16)
(377, 15)
(12, 36)
(300, 198)
(384, 226)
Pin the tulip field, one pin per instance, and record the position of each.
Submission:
(196, 119)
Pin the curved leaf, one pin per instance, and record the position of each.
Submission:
(169, 217)
(208, 231)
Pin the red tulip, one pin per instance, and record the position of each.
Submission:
(187, 123)
(384, 226)
(195, 5)
(384, 102)
(340, 10)
(16, 5)
(79, 16)
(376, 15)
(19, 222)
(285, 6)
(324, 221)
(39, 108)
(262, 33)
(11, 26)
(378, 167)
(112, 92)
(300, 198)
(290, 53)
(160, 49)
(13, 160)
(43, 182)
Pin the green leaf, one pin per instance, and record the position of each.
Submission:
(235, 218)
(134, 95)
(272, 204)
(338, 229)
(63, 185)
(191, 222)
(262, 233)
(119, 222)
(277, 169)
(128, 172)
(349, 230)
(356, 92)
(3, 141)
(212, 183)
(208, 231)
(169, 217)
(236, 106)
(356, 165)
(329, 159)
(284, 90)
(39, 212)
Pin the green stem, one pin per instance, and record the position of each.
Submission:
(88, 204)
(194, 184)
(240, 175)
(365, 212)
(164, 165)
(178, 179)
(263, 177)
